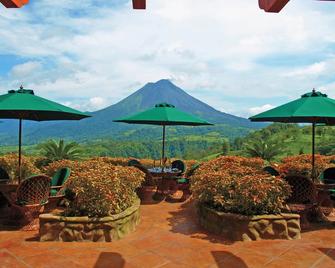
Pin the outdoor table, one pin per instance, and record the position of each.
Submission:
(164, 172)
(168, 176)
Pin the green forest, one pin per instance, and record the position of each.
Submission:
(271, 143)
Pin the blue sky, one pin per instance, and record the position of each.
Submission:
(230, 54)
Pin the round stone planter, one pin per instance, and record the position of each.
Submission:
(247, 228)
(105, 229)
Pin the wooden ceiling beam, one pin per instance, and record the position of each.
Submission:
(14, 3)
(272, 5)
(139, 4)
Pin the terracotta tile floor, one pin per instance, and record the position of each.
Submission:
(169, 236)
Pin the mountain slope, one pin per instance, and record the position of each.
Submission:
(101, 125)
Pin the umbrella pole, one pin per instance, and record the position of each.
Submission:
(20, 141)
(313, 151)
(163, 146)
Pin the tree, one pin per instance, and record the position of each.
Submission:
(238, 142)
(54, 150)
(266, 150)
(225, 147)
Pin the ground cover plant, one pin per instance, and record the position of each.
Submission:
(239, 185)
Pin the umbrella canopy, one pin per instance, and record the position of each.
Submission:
(313, 107)
(164, 114)
(23, 104)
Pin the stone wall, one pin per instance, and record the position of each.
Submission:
(246, 228)
(106, 229)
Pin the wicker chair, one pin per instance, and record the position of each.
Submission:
(327, 194)
(271, 170)
(58, 180)
(133, 162)
(182, 183)
(303, 197)
(28, 202)
(57, 190)
(179, 165)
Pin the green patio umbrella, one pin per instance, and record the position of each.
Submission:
(164, 114)
(23, 104)
(313, 107)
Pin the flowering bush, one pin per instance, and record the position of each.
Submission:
(10, 162)
(239, 185)
(99, 188)
(302, 165)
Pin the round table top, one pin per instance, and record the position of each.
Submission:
(163, 172)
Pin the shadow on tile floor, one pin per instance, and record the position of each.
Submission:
(330, 252)
(226, 259)
(110, 259)
(185, 221)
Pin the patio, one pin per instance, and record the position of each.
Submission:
(169, 236)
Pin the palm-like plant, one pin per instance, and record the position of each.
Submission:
(54, 150)
(266, 150)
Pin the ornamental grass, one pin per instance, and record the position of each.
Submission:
(239, 185)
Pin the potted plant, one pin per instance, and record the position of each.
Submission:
(238, 199)
(102, 204)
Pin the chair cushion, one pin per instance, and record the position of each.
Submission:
(60, 177)
(53, 192)
(183, 180)
(55, 178)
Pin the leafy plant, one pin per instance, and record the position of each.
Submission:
(266, 150)
(10, 162)
(54, 150)
(239, 185)
(302, 165)
(100, 189)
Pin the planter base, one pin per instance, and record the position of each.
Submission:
(247, 228)
(106, 229)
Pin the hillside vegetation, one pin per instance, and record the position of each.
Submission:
(286, 140)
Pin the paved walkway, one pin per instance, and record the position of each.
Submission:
(168, 236)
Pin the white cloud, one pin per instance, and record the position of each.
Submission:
(260, 109)
(25, 69)
(213, 49)
(314, 69)
(93, 104)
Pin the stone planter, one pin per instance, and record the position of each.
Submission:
(105, 229)
(246, 228)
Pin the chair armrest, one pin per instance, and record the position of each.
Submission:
(56, 187)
